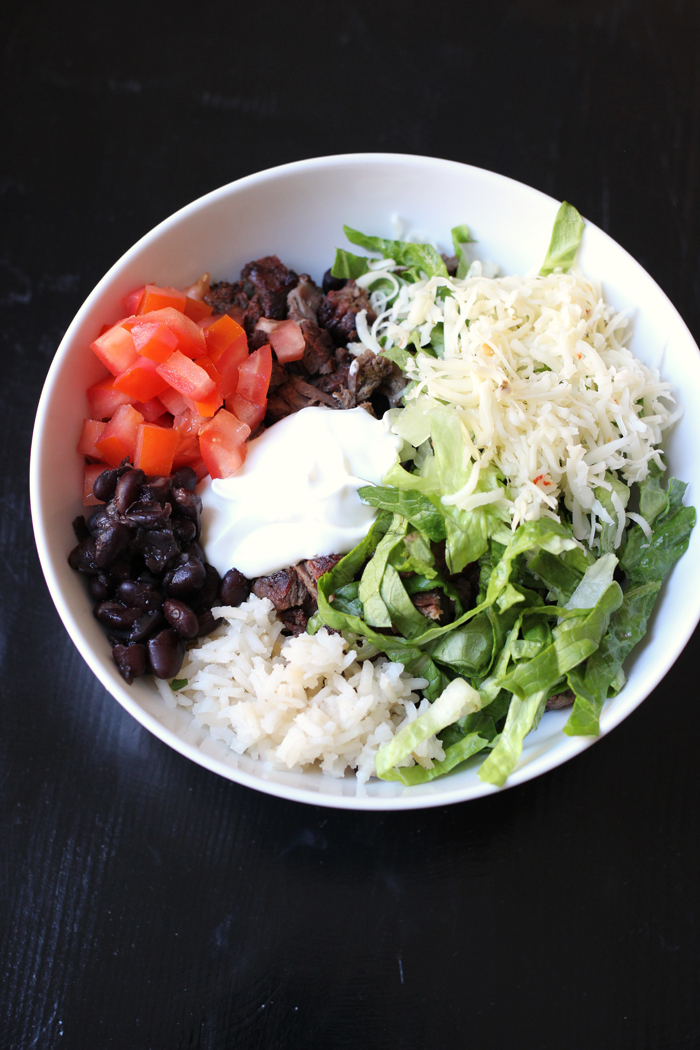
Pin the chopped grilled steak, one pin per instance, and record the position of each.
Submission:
(451, 262)
(279, 375)
(311, 571)
(334, 381)
(560, 700)
(295, 620)
(367, 373)
(226, 298)
(318, 351)
(393, 386)
(293, 395)
(272, 282)
(430, 604)
(304, 300)
(338, 310)
(258, 338)
(285, 588)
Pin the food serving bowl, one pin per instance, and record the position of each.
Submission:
(297, 211)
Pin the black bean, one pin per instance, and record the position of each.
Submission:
(128, 489)
(184, 478)
(207, 623)
(190, 503)
(105, 483)
(146, 625)
(110, 543)
(185, 530)
(80, 529)
(121, 569)
(331, 283)
(158, 547)
(235, 588)
(166, 652)
(209, 593)
(139, 595)
(99, 519)
(100, 587)
(156, 489)
(181, 618)
(148, 514)
(188, 575)
(82, 557)
(194, 550)
(116, 615)
(131, 660)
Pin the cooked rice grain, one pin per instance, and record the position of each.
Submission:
(295, 702)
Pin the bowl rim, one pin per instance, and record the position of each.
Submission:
(565, 749)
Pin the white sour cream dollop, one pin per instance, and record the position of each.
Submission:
(295, 496)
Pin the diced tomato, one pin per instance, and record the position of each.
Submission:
(105, 328)
(133, 300)
(92, 472)
(118, 438)
(247, 411)
(209, 405)
(91, 432)
(104, 400)
(286, 338)
(153, 339)
(141, 380)
(155, 448)
(156, 298)
(206, 322)
(254, 375)
(196, 309)
(186, 377)
(200, 468)
(221, 333)
(230, 357)
(190, 338)
(189, 423)
(150, 410)
(223, 444)
(174, 402)
(115, 349)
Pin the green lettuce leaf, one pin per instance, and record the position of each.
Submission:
(566, 237)
(349, 266)
(422, 513)
(421, 256)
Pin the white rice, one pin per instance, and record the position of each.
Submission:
(296, 702)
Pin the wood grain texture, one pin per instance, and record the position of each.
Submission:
(147, 904)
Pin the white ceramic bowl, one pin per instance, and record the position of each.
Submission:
(297, 211)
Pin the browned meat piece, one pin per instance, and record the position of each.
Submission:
(339, 309)
(272, 282)
(393, 385)
(299, 394)
(295, 620)
(560, 700)
(285, 588)
(430, 604)
(310, 571)
(367, 373)
(277, 409)
(334, 381)
(226, 298)
(344, 398)
(318, 351)
(304, 300)
(279, 374)
(368, 407)
(451, 262)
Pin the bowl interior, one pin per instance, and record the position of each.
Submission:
(298, 212)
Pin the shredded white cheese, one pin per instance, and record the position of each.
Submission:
(545, 389)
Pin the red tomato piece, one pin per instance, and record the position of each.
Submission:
(221, 333)
(92, 472)
(190, 338)
(223, 444)
(196, 309)
(254, 375)
(133, 300)
(141, 380)
(186, 377)
(155, 448)
(227, 362)
(155, 298)
(153, 339)
(91, 432)
(118, 439)
(200, 468)
(175, 403)
(286, 338)
(247, 411)
(150, 410)
(115, 349)
(209, 405)
(104, 400)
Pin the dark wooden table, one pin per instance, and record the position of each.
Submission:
(147, 904)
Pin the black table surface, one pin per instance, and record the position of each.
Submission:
(147, 903)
